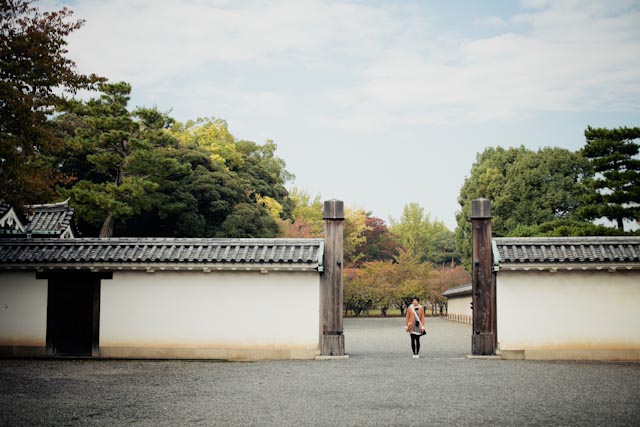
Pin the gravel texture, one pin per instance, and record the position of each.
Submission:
(379, 385)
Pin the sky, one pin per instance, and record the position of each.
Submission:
(377, 103)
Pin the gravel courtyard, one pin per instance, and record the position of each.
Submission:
(379, 385)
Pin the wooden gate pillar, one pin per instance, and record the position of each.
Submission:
(483, 339)
(332, 343)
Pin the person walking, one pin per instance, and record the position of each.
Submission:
(414, 325)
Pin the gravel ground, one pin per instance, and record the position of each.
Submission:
(379, 385)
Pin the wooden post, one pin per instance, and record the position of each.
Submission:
(332, 343)
(483, 339)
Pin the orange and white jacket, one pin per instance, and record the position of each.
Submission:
(410, 318)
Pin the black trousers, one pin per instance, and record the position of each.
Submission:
(415, 343)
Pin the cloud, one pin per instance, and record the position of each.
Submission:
(488, 21)
(565, 57)
(379, 65)
(145, 41)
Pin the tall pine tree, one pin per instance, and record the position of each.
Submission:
(616, 187)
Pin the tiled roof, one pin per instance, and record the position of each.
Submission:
(458, 291)
(4, 208)
(563, 250)
(51, 218)
(131, 252)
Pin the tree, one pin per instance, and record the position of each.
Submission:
(380, 243)
(412, 230)
(113, 156)
(355, 227)
(249, 220)
(411, 279)
(137, 171)
(442, 245)
(525, 188)
(444, 279)
(564, 228)
(211, 134)
(306, 215)
(359, 292)
(429, 240)
(35, 74)
(616, 187)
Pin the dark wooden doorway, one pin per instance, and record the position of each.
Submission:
(73, 314)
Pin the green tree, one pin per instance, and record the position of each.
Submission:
(35, 75)
(211, 134)
(306, 215)
(616, 187)
(249, 220)
(355, 227)
(113, 157)
(411, 279)
(564, 228)
(429, 240)
(525, 188)
(412, 230)
(359, 291)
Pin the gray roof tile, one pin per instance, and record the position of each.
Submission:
(52, 218)
(458, 291)
(558, 250)
(128, 251)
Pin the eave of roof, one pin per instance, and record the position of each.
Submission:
(617, 253)
(159, 254)
(458, 291)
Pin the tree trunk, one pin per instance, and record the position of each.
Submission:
(107, 227)
(620, 224)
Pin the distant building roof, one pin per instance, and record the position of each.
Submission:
(579, 252)
(161, 253)
(51, 218)
(458, 291)
(4, 207)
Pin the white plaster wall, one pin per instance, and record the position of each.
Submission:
(593, 310)
(459, 305)
(211, 310)
(459, 308)
(23, 309)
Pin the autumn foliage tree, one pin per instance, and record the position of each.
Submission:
(35, 73)
(387, 284)
(379, 242)
(444, 279)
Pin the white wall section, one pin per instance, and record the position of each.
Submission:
(217, 310)
(568, 311)
(23, 309)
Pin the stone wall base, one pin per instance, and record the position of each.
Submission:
(631, 355)
(173, 353)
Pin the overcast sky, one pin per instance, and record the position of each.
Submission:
(377, 103)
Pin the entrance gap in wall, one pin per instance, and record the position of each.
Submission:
(73, 314)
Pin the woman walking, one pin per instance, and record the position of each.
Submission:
(414, 321)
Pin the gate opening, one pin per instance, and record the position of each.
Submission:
(73, 314)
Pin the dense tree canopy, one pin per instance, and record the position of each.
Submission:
(146, 175)
(526, 188)
(34, 75)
